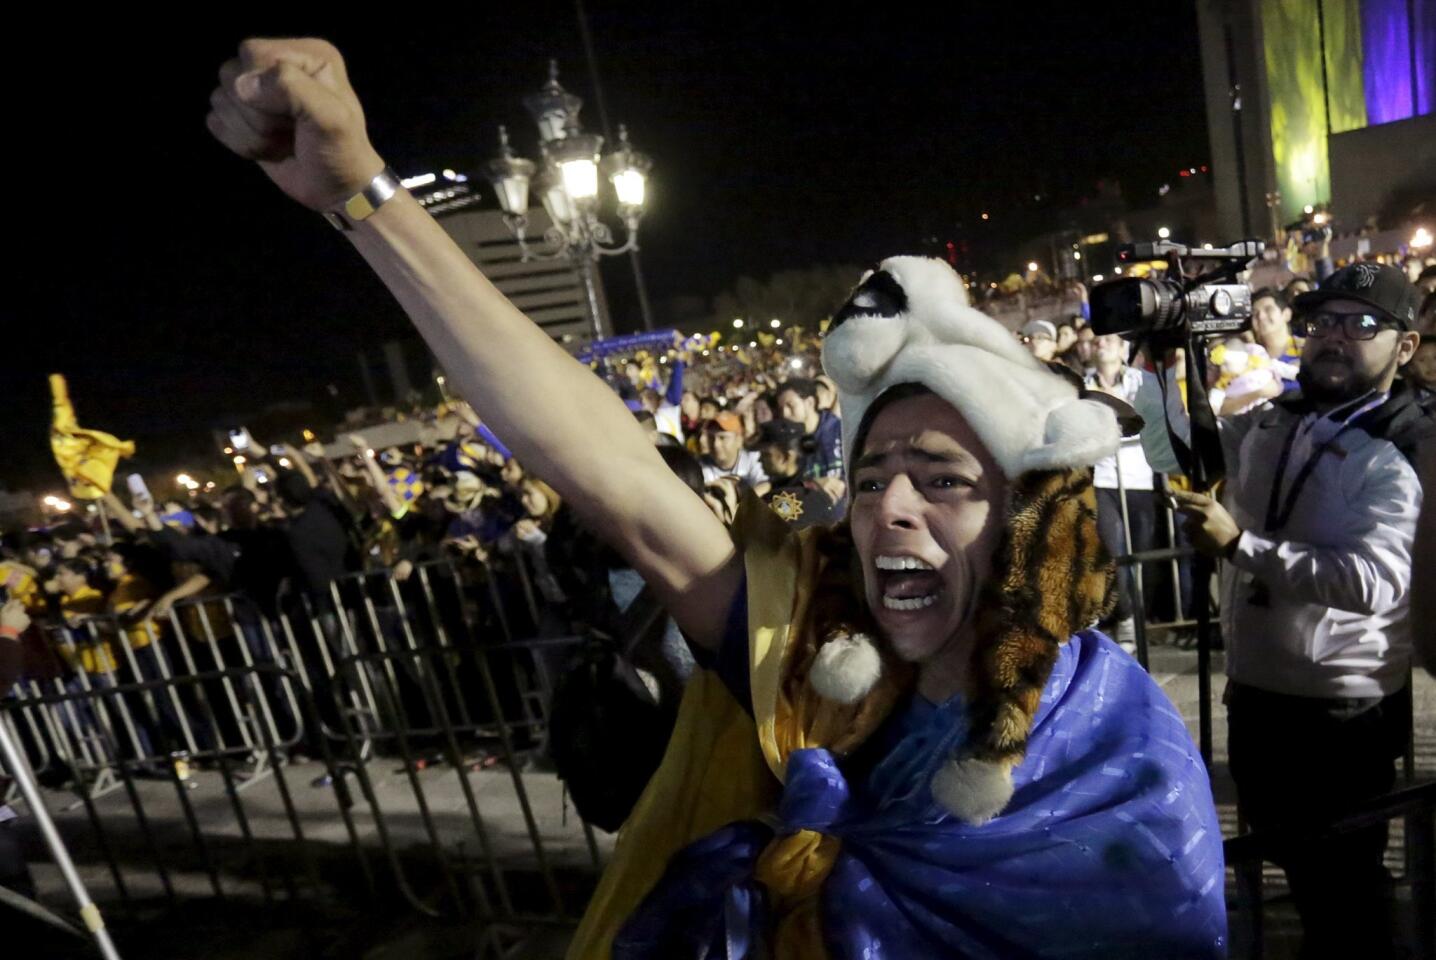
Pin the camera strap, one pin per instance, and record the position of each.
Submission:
(1278, 511)
(1201, 460)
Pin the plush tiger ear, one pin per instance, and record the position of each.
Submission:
(1051, 578)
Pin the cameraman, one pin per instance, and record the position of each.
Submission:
(1320, 511)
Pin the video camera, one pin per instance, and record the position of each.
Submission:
(1173, 308)
(1199, 296)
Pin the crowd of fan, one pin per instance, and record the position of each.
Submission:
(106, 609)
(96, 607)
(761, 422)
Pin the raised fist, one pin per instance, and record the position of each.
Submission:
(14, 617)
(287, 104)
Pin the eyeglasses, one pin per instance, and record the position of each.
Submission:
(1356, 326)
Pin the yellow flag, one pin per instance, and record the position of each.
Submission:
(87, 458)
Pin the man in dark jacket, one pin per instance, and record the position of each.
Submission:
(318, 534)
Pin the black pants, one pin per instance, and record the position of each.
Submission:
(1142, 517)
(1298, 762)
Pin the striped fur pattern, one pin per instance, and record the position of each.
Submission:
(1052, 578)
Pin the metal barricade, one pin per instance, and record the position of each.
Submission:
(445, 688)
(14, 761)
(180, 827)
(1417, 805)
(84, 736)
(421, 704)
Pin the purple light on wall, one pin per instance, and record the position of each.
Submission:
(1425, 11)
(1386, 60)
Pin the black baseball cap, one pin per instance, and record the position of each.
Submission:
(1374, 284)
(780, 431)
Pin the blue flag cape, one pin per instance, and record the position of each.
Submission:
(1110, 846)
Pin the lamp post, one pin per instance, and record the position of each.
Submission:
(1273, 208)
(568, 187)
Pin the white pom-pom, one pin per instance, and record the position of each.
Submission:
(973, 790)
(846, 668)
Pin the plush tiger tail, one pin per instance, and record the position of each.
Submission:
(1051, 578)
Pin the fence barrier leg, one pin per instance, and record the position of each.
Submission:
(1421, 846)
(89, 912)
(1249, 901)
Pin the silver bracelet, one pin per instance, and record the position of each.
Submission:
(362, 205)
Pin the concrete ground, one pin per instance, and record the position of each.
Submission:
(404, 874)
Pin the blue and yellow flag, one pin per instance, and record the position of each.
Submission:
(87, 458)
(406, 484)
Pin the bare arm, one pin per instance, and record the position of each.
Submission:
(183, 591)
(529, 390)
(300, 460)
(375, 475)
(121, 514)
(1231, 406)
(288, 104)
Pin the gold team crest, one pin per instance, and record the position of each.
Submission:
(787, 505)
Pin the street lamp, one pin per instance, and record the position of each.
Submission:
(568, 187)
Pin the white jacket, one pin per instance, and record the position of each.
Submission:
(1319, 607)
(1138, 457)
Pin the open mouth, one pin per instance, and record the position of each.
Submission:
(907, 583)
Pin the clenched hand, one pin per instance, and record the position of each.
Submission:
(288, 105)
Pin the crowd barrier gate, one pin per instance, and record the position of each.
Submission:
(444, 673)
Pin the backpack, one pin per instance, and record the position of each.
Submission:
(609, 725)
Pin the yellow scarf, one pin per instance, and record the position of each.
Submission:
(716, 771)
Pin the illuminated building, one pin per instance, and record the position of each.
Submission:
(549, 292)
(1322, 102)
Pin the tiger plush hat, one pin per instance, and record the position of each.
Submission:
(909, 323)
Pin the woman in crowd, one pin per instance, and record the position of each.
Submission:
(908, 744)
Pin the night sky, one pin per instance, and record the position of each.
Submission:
(178, 290)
